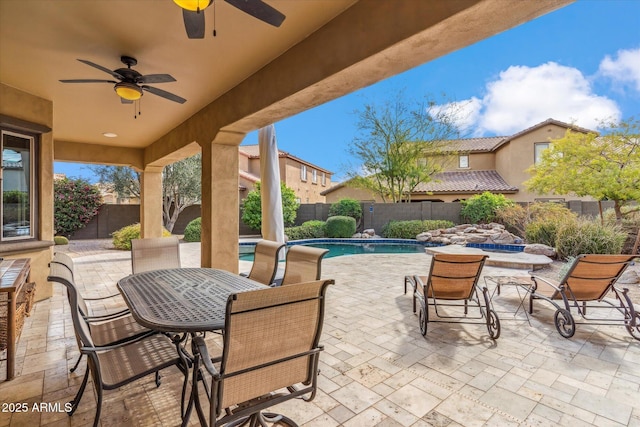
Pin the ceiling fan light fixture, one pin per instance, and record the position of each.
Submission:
(128, 91)
(193, 5)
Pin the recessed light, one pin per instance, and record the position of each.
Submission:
(110, 134)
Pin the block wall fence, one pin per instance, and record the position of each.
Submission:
(374, 215)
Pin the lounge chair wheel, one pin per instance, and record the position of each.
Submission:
(423, 319)
(493, 324)
(564, 323)
(634, 330)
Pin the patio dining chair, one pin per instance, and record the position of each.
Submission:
(155, 254)
(265, 262)
(589, 284)
(116, 364)
(270, 353)
(303, 264)
(451, 288)
(109, 328)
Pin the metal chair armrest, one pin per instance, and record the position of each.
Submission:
(102, 298)
(204, 353)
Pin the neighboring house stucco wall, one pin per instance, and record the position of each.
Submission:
(496, 164)
(306, 190)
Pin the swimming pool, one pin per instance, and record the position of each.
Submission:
(340, 247)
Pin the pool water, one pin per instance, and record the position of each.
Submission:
(340, 249)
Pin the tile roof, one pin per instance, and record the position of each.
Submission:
(473, 145)
(248, 176)
(466, 182)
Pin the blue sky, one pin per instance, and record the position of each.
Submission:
(578, 64)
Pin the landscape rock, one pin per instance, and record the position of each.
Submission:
(370, 231)
(629, 277)
(540, 249)
(424, 237)
(504, 238)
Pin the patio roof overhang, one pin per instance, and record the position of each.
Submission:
(248, 76)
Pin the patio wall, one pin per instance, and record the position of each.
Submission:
(375, 215)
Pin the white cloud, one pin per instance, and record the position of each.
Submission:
(623, 70)
(524, 96)
(465, 114)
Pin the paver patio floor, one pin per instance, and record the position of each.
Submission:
(376, 370)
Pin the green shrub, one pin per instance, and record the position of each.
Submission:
(543, 232)
(75, 203)
(193, 230)
(482, 208)
(60, 240)
(588, 237)
(341, 226)
(516, 218)
(410, 229)
(308, 230)
(122, 238)
(252, 207)
(347, 207)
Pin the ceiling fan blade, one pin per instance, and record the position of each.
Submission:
(87, 81)
(193, 23)
(260, 10)
(101, 68)
(164, 94)
(156, 78)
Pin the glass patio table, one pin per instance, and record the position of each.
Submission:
(187, 301)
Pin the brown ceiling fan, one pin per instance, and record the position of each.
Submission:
(193, 14)
(131, 84)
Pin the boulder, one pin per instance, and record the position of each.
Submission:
(504, 238)
(458, 240)
(540, 249)
(629, 277)
(477, 238)
(370, 231)
(424, 237)
(471, 230)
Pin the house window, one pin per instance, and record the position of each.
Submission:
(324, 179)
(18, 184)
(314, 176)
(303, 172)
(538, 148)
(463, 161)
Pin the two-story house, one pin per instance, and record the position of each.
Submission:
(307, 180)
(496, 164)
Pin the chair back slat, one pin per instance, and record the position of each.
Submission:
(591, 276)
(266, 326)
(453, 276)
(303, 264)
(155, 254)
(265, 261)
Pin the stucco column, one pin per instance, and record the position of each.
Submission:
(220, 206)
(151, 202)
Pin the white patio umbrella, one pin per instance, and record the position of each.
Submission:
(270, 193)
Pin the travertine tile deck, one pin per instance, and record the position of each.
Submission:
(376, 370)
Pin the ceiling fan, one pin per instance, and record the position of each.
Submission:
(131, 83)
(193, 14)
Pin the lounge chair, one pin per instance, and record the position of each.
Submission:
(114, 365)
(303, 264)
(270, 353)
(110, 328)
(155, 254)
(586, 286)
(451, 278)
(265, 262)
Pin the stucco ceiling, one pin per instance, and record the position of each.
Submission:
(40, 41)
